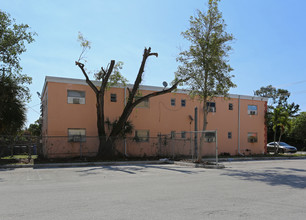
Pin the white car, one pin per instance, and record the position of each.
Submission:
(283, 147)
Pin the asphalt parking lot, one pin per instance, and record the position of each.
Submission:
(243, 190)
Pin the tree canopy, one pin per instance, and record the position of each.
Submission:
(14, 92)
(204, 66)
(298, 130)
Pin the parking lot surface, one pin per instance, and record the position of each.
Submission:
(243, 190)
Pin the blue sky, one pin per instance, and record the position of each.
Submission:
(269, 46)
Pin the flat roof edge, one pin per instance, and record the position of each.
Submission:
(142, 87)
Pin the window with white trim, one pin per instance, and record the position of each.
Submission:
(75, 97)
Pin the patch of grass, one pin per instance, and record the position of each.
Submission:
(17, 160)
(18, 157)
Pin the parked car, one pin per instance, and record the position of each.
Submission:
(283, 147)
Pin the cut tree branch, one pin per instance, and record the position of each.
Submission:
(81, 65)
(136, 102)
(107, 75)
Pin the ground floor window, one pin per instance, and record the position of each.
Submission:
(210, 136)
(142, 135)
(252, 137)
(183, 134)
(76, 134)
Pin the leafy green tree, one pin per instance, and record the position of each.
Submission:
(278, 99)
(14, 92)
(111, 76)
(204, 66)
(12, 110)
(299, 129)
(35, 129)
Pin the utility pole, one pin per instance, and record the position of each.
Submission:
(196, 129)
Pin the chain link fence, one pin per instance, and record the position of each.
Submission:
(173, 146)
(20, 145)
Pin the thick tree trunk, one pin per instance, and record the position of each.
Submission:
(107, 147)
(280, 136)
(205, 122)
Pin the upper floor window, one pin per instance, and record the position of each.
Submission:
(229, 135)
(183, 102)
(211, 106)
(230, 106)
(172, 102)
(75, 97)
(113, 97)
(252, 137)
(252, 109)
(76, 134)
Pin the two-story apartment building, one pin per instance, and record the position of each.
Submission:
(70, 122)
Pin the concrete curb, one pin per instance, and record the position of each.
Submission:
(16, 166)
(253, 158)
(85, 164)
(165, 161)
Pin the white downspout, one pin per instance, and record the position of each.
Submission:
(239, 126)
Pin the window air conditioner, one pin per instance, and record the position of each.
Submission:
(212, 109)
(210, 139)
(252, 140)
(76, 101)
(76, 138)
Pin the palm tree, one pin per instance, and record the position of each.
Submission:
(281, 120)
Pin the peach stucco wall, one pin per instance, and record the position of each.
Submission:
(159, 118)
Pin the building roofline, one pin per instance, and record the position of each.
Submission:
(142, 87)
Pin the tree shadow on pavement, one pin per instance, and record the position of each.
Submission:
(276, 176)
(133, 169)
